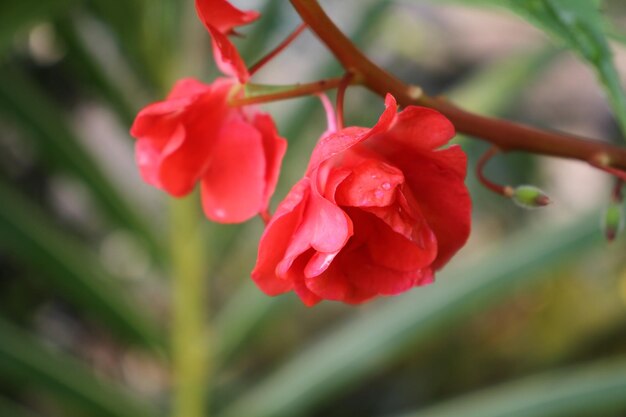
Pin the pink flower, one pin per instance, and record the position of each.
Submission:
(193, 135)
(220, 18)
(377, 212)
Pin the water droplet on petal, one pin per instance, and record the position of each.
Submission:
(386, 186)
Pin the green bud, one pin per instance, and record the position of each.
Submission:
(528, 196)
(612, 221)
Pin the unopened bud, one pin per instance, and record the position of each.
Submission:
(613, 221)
(529, 196)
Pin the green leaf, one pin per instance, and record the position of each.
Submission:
(18, 15)
(10, 409)
(25, 361)
(23, 101)
(594, 389)
(71, 268)
(358, 348)
(492, 89)
(90, 71)
(579, 24)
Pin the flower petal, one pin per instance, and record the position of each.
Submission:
(274, 148)
(227, 57)
(372, 183)
(442, 197)
(223, 16)
(337, 142)
(421, 128)
(233, 187)
(394, 251)
(276, 238)
(385, 281)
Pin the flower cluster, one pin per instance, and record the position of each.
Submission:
(377, 211)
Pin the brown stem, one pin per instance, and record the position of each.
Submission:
(285, 43)
(341, 94)
(506, 191)
(507, 136)
(299, 90)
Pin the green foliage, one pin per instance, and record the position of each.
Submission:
(18, 15)
(363, 345)
(582, 390)
(580, 25)
(69, 267)
(23, 360)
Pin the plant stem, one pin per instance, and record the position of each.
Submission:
(285, 43)
(341, 94)
(507, 136)
(190, 352)
(480, 173)
(286, 92)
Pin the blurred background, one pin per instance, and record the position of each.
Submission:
(528, 320)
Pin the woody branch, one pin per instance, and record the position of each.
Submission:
(507, 136)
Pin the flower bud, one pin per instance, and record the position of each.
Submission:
(612, 221)
(528, 196)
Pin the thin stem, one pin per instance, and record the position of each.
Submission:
(190, 351)
(331, 119)
(341, 93)
(272, 54)
(506, 191)
(298, 90)
(505, 135)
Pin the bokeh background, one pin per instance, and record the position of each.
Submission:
(528, 320)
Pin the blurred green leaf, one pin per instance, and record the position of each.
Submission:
(241, 317)
(89, 70)
(10, 409)
(130, 23)
(594, 389)
(358, 348)
(492, 89)
(24, 360)
(23, 101)
(17, 15)
(71, 268)
(580, 25)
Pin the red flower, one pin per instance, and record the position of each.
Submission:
(377, 212)
(194, 136)
(220, 19)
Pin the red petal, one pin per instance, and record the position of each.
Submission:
(227, 57)
(274, 148)
(222, 15)
(233, 188)
(372, 184)
(151, 150)
(420, 128)
(335, 143)
(392, 250)
(384, 281)
(187, 88)
(442, 197)
(334, 284)
(276, 238)
(220, 18)
(324, 227)
(176, 136)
